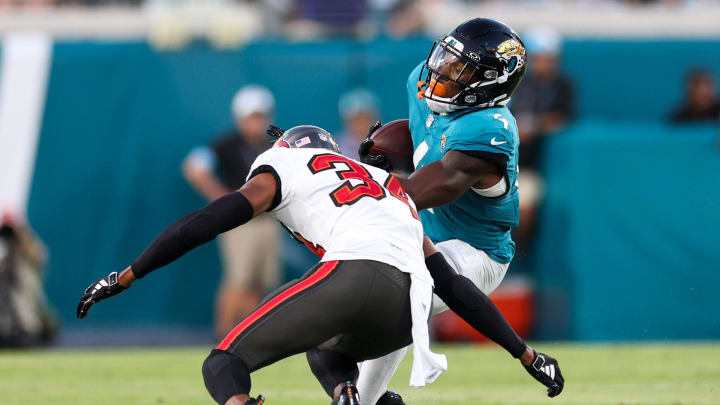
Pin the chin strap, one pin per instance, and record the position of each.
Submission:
(440, 107)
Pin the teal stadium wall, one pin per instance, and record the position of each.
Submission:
(628, 246)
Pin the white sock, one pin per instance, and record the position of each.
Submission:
(375, 376)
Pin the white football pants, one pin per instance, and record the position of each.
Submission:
(472, 263)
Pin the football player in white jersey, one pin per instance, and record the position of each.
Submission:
(369, 295)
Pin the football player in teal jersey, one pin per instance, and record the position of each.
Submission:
(465, 144)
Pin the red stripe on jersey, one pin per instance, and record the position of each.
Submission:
(316, 249)
(319, 274)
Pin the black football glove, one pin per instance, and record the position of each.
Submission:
(373, 160)
(274, 132)
(99, 290)
(546, 371)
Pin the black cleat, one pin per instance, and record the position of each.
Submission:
(390, 398)
(259, 401)
(349, 395)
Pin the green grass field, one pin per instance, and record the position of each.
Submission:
(484, 375)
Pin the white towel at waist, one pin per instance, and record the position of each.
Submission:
(427, 366)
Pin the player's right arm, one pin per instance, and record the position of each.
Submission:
(185, 234)
(445, 180)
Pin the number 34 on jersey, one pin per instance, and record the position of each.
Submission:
(348, 194)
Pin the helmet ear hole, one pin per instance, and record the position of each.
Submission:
(490, 74)
(470, 98)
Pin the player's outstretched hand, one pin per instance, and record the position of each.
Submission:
(546, 371)
(99, 290)
(373, 159)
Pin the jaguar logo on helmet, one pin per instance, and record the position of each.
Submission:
(511, 47)
(513, 52)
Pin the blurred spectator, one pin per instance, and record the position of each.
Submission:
(406, 18)
(41, 4)
(359, 110)
(26, 4)
(26, 318)
(543, 104)
(249, 253)
(701, 102)
(307, 19)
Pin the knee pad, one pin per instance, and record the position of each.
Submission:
(225, 375)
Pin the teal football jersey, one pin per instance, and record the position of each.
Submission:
(483, 222)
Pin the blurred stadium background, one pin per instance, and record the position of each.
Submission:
(101, 100)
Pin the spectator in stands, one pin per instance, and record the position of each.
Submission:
(701, 102)
(543, 104)
(308, 19)
(359, 110)
(249, 254)
(406, 18)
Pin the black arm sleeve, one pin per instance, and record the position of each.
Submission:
(466, 300)
(192, 230)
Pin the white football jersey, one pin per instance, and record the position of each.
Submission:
(343, 209)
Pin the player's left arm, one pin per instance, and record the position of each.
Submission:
(473, 306)
(187, 233)
(445, 180)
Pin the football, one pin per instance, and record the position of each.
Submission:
(393, 141)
